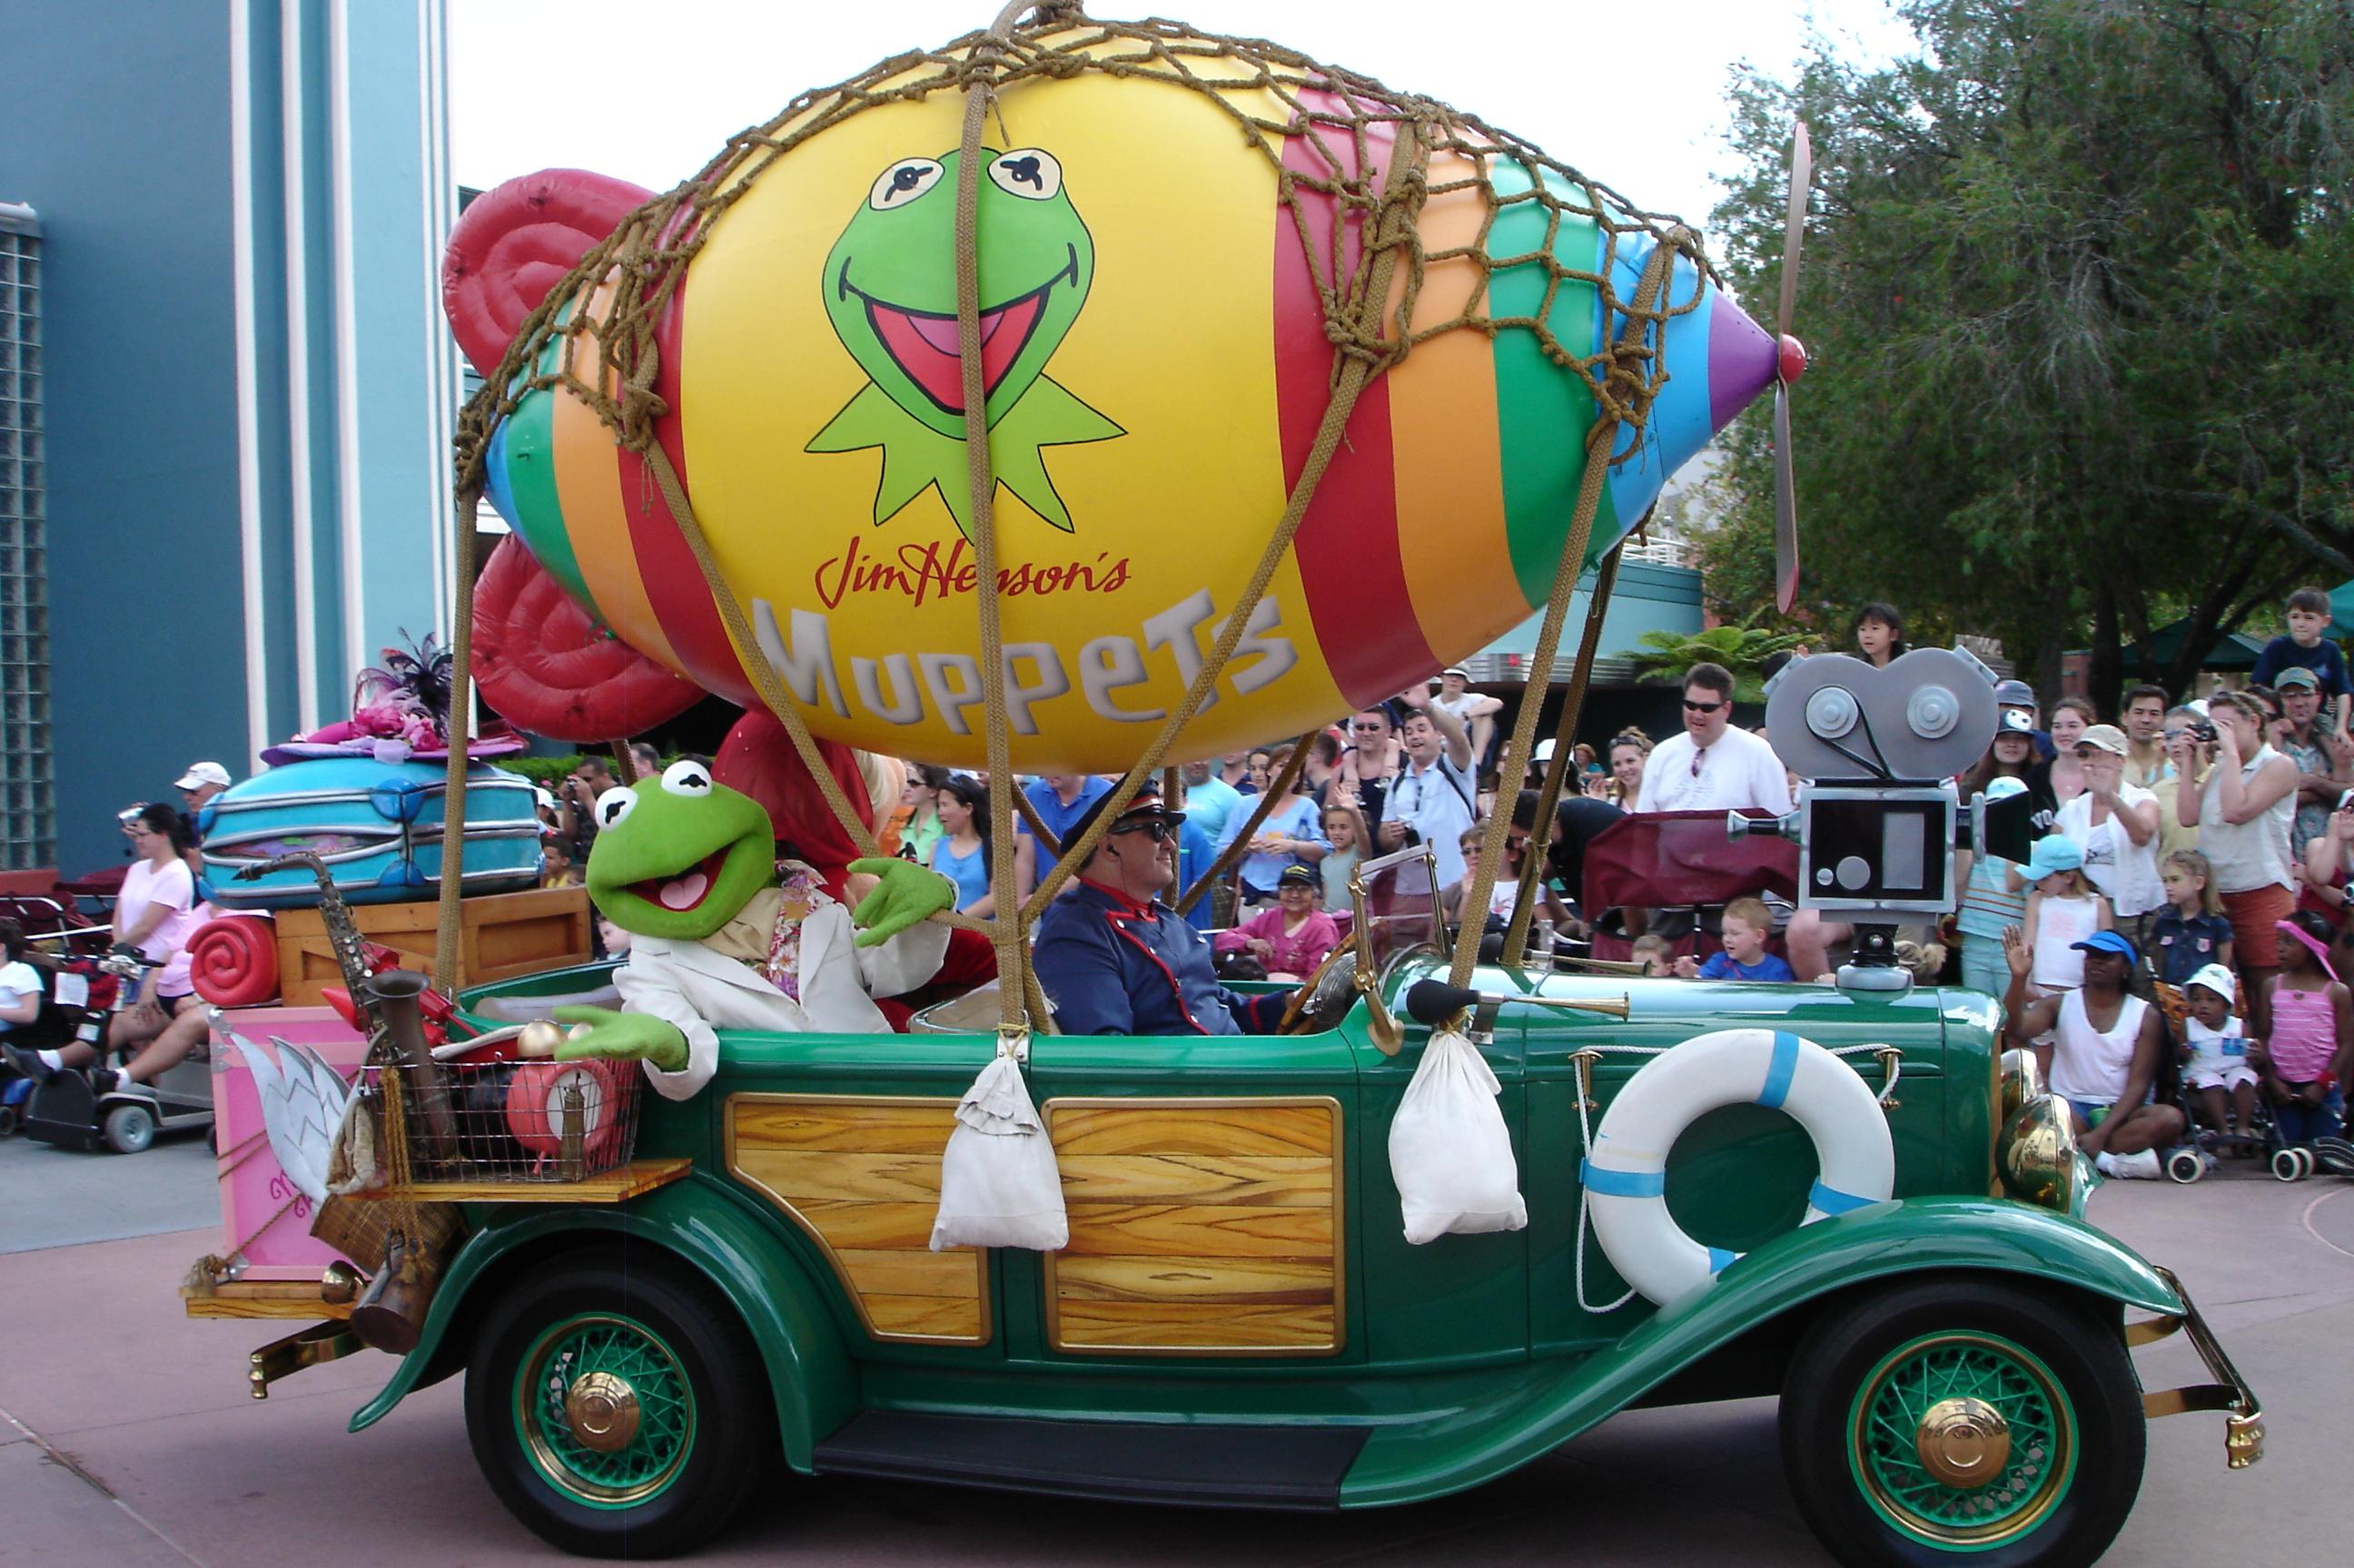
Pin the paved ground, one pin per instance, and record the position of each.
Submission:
(56, 1197)
(127, 1437)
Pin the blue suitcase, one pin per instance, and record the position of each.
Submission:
(376, 825)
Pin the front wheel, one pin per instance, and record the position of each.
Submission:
(130, 1128)
(616, 1413)
(1963, 1421)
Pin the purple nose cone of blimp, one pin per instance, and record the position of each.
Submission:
(1718, 361)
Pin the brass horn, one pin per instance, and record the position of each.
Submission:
(1382, 1026)
(1601, 966)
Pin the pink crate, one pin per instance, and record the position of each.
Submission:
(262, 1214)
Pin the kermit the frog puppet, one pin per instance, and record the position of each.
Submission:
(719, 940)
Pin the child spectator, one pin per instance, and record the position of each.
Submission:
(2308, 1024)
(1879, 633)
(556, 861)
(1747, 925)
(1994, 898)
(2062, 911)
(2304, 647)
(613, 938)
(1654, 953)
(2190, 933)
(1344, 828)
(2215, 1053)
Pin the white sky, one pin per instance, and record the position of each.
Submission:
(649, 92)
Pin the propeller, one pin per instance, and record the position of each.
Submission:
(1791, 365)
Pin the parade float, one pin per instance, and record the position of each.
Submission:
(1092, 394)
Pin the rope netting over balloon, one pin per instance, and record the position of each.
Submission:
(1356, 167)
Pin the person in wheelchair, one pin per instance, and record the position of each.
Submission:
(153, 916)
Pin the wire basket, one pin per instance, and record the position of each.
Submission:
(536, 1121)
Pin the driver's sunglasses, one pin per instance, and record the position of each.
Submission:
(1160, 829)
(1692, 707)
(1369, 728)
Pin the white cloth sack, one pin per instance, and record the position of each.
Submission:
(1450, 1153)
(999, 1186)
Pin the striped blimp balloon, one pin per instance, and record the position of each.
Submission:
(1156, 367)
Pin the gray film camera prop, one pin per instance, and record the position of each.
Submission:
(1878, 819)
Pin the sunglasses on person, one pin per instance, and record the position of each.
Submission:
(1161, 829)
(1692, 707)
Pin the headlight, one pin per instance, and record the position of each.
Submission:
(2023, 1081)
(2036, 1154)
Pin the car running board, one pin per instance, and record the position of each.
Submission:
(1283, 1467)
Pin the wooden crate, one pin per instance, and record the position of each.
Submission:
(504, 935)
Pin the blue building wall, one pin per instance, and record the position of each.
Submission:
(248, 389)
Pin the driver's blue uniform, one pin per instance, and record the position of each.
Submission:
(1112, 966)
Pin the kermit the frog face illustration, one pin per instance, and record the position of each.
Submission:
(678, 856)
(890, 293)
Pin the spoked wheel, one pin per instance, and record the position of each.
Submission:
(618, 1415)
(1956, 1421)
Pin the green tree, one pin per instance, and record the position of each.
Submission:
(1742, 650)
(2076, 290)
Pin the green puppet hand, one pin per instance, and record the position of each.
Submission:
(905, 894)
(623, 1036)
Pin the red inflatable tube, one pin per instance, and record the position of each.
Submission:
(233, 960)
(544, 667)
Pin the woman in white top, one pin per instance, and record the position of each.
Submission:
(156, 912)
(2116, 823)
(2243, 814)
(20, 983)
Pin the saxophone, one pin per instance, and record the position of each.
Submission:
(388, 1001)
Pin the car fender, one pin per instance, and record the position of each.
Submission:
(1891, 1239)
(708, 1226)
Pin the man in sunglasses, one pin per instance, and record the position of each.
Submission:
(1114, 959)
(1712, 766)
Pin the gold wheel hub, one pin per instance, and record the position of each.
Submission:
(602, 1411)
(1964, 1442)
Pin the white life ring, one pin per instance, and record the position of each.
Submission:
(1626, 1174)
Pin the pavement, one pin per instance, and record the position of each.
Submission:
(127, 1436)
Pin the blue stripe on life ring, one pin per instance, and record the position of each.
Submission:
(1780, 1068)
(1831, 1201)
(1622, 1184)
(1719, 1260)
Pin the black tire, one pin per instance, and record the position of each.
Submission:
(130, 1128)
(706, 1423)
(12, 1121)
(2046, 1360)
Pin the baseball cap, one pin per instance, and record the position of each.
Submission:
(2105, 738)
(2053, 854)
(1543, 751)
(2217, 978)
(1146, 805)
(202, 773)
(2014, 694)
(2103, 941)
(2013, 722)
(2296, 675)
(1299, 876)
(2004, 789)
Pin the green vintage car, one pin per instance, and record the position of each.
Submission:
(1239, 1320)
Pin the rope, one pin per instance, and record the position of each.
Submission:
(1599, 441)
(1006, 931)
(1573, 705)
(448, 917)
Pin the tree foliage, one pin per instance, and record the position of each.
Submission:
(2075, 285)
(1742, 650)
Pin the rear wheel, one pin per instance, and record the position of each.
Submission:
(1963, 1421)
(616, 1415)
(130, 1128)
